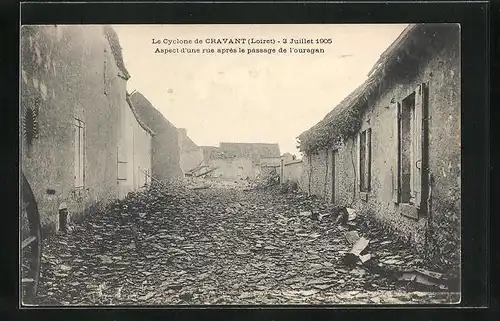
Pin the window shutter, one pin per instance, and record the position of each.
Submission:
(417, 146)
(395, 150)
(358, 160)
(77, 153)
(82, 153)
(368, 158)
(121, 158)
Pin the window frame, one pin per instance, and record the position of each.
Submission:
(415, 207)
(121, 165)
(79, 126)
(364, 166)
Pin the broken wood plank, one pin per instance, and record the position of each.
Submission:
(352, 237)
(198, 167)
(365, 258)
(28, 241)
(425, 278)
(200, 187)
(207, 172)
(360, 245)
(351, 214)
(354, 255)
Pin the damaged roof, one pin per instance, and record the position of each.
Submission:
(255, 151)
(137, 116)
(187, 142)
(344, 120)
(150, 116)
(116, 49)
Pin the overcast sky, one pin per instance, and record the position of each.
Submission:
(250, 98)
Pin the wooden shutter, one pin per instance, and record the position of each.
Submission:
(358, 160)
(77, 152)
(82, 153)
(368, 160)
(395, 150)
(121, 159)
(417, 146)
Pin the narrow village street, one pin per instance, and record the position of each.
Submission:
(222, 245)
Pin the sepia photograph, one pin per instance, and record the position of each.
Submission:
(240, 164)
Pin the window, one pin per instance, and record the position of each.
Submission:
(29, 119)
(30, 125)
(146, 177)
(79, 153)
(406, 151)
(408, 137)
(121, 159)
(365, 141)
(104, 74)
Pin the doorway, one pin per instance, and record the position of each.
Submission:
(407, 142)
(334, 175)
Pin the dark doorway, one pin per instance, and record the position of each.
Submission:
(334, 175)
(407, 115)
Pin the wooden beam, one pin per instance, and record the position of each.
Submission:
(28, 241)
(209, 171)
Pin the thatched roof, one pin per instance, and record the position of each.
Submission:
(344, 120)
(116, 49)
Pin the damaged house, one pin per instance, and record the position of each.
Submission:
(392, 147)
(165, 149)
(80, 140)
(191, 155)
(239, 160)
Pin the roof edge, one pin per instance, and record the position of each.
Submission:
(136, 115)
(354, 98)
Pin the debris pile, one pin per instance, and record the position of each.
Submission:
(391, 257)
(268, 180)
(172, 244)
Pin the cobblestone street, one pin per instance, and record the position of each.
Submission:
(221, 246)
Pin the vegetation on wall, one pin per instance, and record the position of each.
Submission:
(399, 63)
(442, 250)
(343, 122)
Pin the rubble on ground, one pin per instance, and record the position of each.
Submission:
(173, 244)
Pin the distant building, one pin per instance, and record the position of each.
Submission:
(239, 160)
(134, 151)
(191, 155)
(81, 140)
(165, 161)
(253, 151)
(268, 166)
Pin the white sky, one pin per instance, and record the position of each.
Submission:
(251, 98)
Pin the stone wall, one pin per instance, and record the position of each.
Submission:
(165, 159)
(191, 154)
(233, 168)
(142, 157)
(292, 172)
(135, 149)
(440, 227)
(69, 72)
